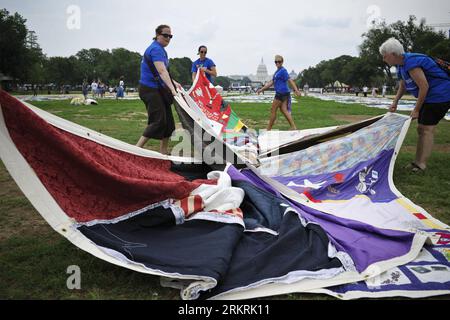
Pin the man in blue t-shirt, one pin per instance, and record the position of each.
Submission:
(424, 79)
(204, 63)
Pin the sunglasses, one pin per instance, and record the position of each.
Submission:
(202, 51)
(278, 61)
(166, 35)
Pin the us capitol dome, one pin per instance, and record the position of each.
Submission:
(261, 73)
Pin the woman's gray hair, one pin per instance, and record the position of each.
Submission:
(392, 45)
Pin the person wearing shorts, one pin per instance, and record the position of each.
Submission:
(282, 98)
(160, 123)
(157, 89)
(421, 76)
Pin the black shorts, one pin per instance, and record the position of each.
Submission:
(282, 96)
(431, 113)
(160, 119)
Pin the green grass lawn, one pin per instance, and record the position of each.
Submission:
(34, 258)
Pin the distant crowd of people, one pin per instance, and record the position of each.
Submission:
(364, 91)
(99, 88)
(374, 91)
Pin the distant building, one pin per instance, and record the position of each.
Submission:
(262, 76)
(236, 77)
(293, 75)
(261, 72)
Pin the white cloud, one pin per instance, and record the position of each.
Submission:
(324, 22)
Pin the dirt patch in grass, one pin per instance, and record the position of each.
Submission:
(7, 185)
(350, 118)
(444, 148)
(132, 115)
(22, 220)
(254, 123)
(18, 215)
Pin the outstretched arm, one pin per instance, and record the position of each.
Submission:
(294, 86)
(164, 74)
(419, 78)
(212, 72)
(266, 86)
(400, 92)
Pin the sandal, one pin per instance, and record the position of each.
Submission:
(414, 168)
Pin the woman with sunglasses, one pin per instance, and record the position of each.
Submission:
(156, 90)
(282, 98)
(204, 63)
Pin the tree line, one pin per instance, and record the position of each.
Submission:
(368, 68)
(23, 59)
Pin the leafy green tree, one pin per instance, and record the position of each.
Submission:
(94, 64)
(441, 50)
(123, 62)
(19, 58)
(62, 70)
(360, 71)
(180, 70)
(369, 68)
(415, 37)
(369, 49)
(345, 69)
(224, 82)
(246, 81)
(327, 76)
(35, 72)
(311, 76)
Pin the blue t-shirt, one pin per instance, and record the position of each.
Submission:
(155, 52)
(438, 80)
(207, 63)
(280, 79)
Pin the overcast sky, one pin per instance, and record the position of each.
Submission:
(238, 33)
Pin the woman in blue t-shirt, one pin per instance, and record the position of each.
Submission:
(205, 64)
(157, 89)
(282, 98)
(422, 77)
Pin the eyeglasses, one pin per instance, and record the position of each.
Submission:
(278, 61)
(166, 35)
(202, 51)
